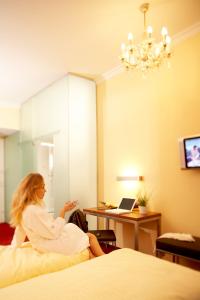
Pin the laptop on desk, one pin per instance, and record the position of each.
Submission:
(126, 206)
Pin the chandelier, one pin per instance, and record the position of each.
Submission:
(147, 54)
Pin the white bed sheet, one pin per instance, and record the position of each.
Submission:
(121, 275)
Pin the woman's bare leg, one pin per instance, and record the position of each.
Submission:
(94, 245)
(91, 255)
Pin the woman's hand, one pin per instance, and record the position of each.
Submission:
(67, 207)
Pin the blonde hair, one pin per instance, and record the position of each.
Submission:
(24, 195)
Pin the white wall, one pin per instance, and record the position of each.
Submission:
(9, 120)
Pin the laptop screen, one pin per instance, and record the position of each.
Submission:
(127, 203)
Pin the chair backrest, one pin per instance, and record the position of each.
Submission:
(79, 218)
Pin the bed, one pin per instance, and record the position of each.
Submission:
(121, 274)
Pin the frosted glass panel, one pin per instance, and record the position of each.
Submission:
(28, 158)
(82, 143)
(45, 166)
(26, 121)
(66, 110)
(61, 175)
(49, 109)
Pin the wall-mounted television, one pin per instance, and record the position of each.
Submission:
(190, 152)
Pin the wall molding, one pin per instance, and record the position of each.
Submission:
(109, 74)
(177, 38)
(186, 33)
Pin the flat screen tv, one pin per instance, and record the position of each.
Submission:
(191, 148)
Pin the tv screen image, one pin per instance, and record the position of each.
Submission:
(192, 152)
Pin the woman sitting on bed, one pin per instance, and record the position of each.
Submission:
(46, 234)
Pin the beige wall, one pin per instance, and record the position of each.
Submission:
(9, 118)
(1, 179)
(139, 123)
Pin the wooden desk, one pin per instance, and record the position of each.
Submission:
(134, 218)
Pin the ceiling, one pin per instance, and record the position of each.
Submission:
(42, 40)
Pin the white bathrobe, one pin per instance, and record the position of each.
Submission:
(47, 234)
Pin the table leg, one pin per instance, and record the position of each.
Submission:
(107, 223)
(159, 227)
(136, 238)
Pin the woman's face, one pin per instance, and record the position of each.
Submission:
(41, 191)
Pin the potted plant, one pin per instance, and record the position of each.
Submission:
(142, 201)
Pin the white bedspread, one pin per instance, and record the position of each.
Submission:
(121, 275)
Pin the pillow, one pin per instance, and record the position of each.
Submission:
(178, 236)
(18, 264)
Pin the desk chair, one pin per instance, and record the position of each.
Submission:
(105, 236)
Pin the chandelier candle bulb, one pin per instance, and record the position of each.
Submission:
(149, 31)
(130, 37)
(164, 32)
(123, 48)
(168, 40)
